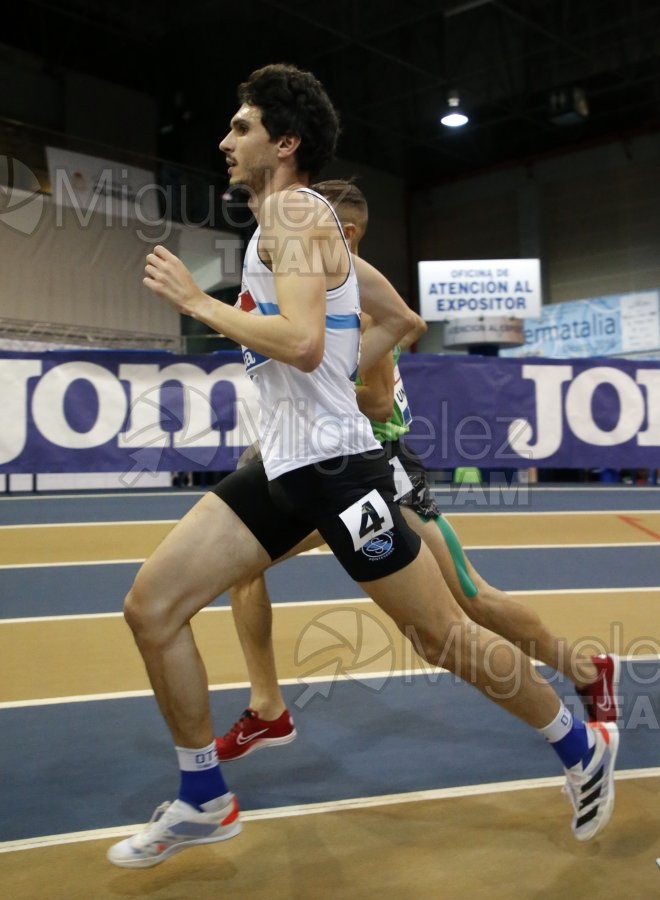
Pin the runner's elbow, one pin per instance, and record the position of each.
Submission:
(378, 410)
(308, 355)
(403, 322)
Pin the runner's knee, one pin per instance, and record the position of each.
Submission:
(447, 645)
(137, 614)
(148, 618)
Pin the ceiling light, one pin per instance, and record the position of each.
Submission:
(454, 117)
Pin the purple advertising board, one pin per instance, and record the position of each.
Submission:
(132, 411)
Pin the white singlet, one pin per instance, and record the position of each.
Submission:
(306, 417)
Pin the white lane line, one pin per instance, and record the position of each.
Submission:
(330, 806)
(228, 686)
(75, 617)
(347, 601)
(545, 546)
(558, 512)
(75, 563)
(469, 548)
(559, 489)
(97, 523)
(444, 489)
(301, 681)
(117, 495)
(209, 609)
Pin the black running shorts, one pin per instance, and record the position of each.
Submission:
(416, 495)
(350, 500)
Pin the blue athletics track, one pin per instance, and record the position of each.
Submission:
(402, 783)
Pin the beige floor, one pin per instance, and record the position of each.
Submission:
(505, 846)
(79, 656)
(135, 540)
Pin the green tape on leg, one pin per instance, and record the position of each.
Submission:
(460, 562)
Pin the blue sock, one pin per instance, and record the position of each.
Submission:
(201, 778)
(571, 740)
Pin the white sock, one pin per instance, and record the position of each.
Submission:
(197, 760)
(561, 725)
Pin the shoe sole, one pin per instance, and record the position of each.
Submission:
(231, 832)
(608, 808)
(263, 744)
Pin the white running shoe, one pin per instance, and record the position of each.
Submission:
(173, 827)
(591, 789)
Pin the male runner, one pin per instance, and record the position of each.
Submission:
(322, 468)
(381, 396)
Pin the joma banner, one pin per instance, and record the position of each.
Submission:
(132, 411)
(498, 413)
(126, 411)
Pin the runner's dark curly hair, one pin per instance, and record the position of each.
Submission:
(295, 102)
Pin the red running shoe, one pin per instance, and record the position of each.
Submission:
(252, 733)
(600, 697)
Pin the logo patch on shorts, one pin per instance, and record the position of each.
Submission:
(379, 547)
(367, 518)
(402, 481)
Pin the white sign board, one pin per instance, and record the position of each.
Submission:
(640, 321)
(500, 331)
(117, 191)
(452, 289)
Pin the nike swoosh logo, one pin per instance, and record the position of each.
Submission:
(605, 701)
(246, 738)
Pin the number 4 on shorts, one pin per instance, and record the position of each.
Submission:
(366, 518)
(371, 523)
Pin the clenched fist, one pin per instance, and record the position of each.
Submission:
(170, 279)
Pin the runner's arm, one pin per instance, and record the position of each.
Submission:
(392, 318)
(296, 335)
(375, 395)
(420, 328)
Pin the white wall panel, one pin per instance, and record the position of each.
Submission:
(76, 269)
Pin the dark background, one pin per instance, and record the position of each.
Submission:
(387, 65)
